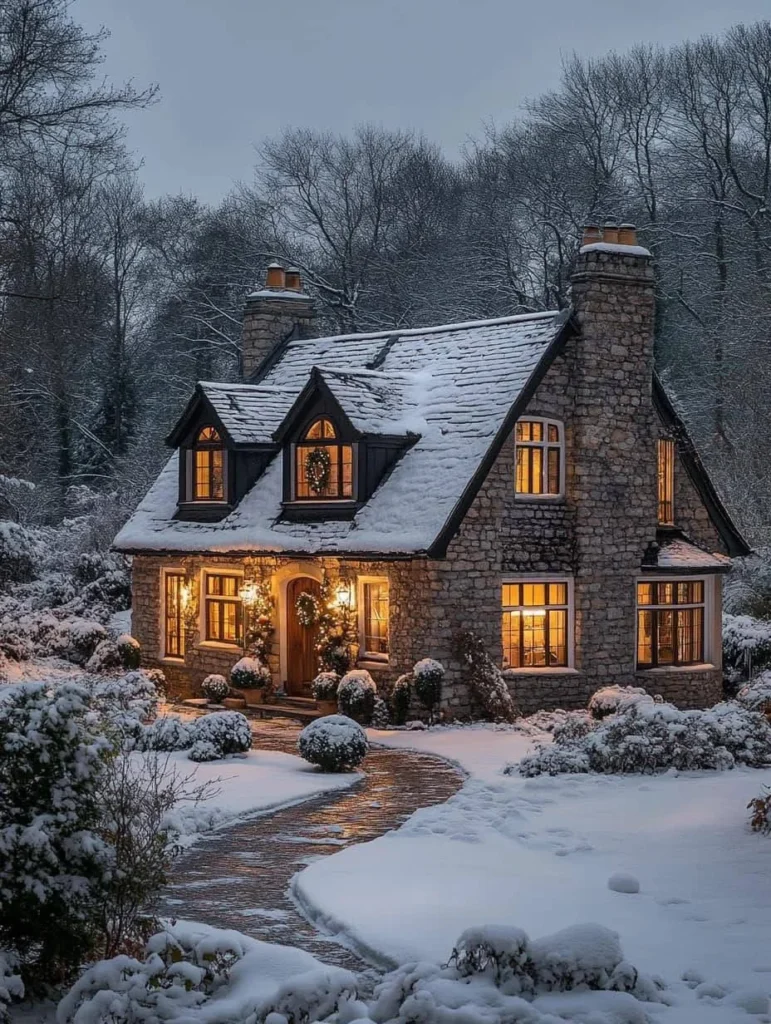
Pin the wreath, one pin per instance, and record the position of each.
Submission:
(308, 609)
(318, 466)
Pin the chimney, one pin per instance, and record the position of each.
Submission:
(271, 314)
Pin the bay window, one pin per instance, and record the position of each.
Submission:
(670, 623)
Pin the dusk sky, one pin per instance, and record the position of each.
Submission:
(232, 72)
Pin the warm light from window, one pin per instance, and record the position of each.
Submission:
(666, 482)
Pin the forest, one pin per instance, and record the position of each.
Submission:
(112, 304)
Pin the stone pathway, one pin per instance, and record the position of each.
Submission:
(239, 877)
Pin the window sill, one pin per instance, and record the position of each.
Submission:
(661, 670)
(372, 663)
(172, 659)
(550, 498)
(220, 645)
(542, 670)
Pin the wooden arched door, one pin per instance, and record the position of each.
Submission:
(301, 656)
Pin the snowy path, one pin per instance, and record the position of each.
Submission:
(240, 877)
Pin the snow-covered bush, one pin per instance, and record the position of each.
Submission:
(609, 700)
(21, 553)
(485, 680)
(334, 743)
(131, 696)
(250, 674)
(324, 686)
(54, 866)
(356, 696)
(401, 697)
(654, 737)
(313, 996)
(105, 658)
(167, 732)
(746, 646)
(500, 950)
(84, 638)
(381, 717)
(428, 676)
(218, 735)
(760, 816)
(756, 695)
(570, 726)
(11, 984)
(103, 581)
(215, 688)
(128, 651)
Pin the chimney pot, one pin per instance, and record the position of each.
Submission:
(627, 234)
(610, 232)
(592, 234)
(294, 281)
(275, 276)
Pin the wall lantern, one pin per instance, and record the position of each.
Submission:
(344, 596)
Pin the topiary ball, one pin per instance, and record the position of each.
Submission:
(128, 651)
(215, 688)
(356, 696)
(334, 743)
(428, 676)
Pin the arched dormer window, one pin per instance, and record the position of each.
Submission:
(540, 447)
(208, 466)
(323, 465)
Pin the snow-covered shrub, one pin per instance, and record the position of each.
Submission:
(428, 676)
(571, 726)
(401, 697)
(746, 646)
(215, 688)
(499, 950)
(105, 658)
(11, 984)
(54, 866)
(356, 696)
(84, 638)
(128, 650)
(756, 695)
(324, 686)
(485, 680)
(760, 816)
(313, 996)
(609, 700)
(654, 737)
(167, 732)
(103, 580)
(133, 694)
(21, 553)
(250, 674)
(334, 743)
(218, 735)
(381, 718)
(158, 678)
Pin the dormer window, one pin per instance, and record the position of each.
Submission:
(323, 465)
(208, 466)
(540, 448)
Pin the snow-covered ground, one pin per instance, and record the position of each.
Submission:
(260, 781)
(538, 853)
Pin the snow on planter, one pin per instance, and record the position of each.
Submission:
(623, 883)
(215, 688)
(356, 695)
(334, 743)
(220, 734)
(609, 700)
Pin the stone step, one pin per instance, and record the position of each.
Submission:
(302, 714)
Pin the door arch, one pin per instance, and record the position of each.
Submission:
(301, 658)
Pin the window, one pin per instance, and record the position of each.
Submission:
(535, 625)
(208, 466)
(670, 623)
(323, 466)
(539, 448)
(666, 476)
(222, 608)
(173, 625)
(373, 619)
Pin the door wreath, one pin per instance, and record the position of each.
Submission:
(308, 608)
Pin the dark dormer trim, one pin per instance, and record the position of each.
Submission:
(198, 401)
(735, 543)
(298, 418)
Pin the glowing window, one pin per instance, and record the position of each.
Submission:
(208, 466)
(666, 482)
(540, 449)
(223, 608)
(374, 618)
(535, 624)
(670, 623)
(323, 466)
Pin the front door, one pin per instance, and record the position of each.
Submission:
(300, 640)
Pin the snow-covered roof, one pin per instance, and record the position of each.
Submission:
(455, 386)
(679, 554)
(617, 247)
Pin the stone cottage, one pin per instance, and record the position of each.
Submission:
(525, 477)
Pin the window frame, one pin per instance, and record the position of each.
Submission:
(166, 572)
(544, 446)
(365, 656)
(336, 442)
(210, 447)
(545, 578)
(706, 605)
(665, 480)
(206, 599)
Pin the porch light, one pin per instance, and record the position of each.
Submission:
(344, 596)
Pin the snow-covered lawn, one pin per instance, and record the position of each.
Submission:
(260, 781)
(538, 853)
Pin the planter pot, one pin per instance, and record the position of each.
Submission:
(327, 707)
(255, 696)
(234, 702)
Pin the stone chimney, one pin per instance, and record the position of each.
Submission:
(613, 487)
(271, 314)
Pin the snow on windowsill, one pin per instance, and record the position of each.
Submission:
(218, 645)
(369, 663)
(660, 670)
(542, 670)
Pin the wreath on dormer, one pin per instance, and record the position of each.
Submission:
(308, 608)
(318, 466)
